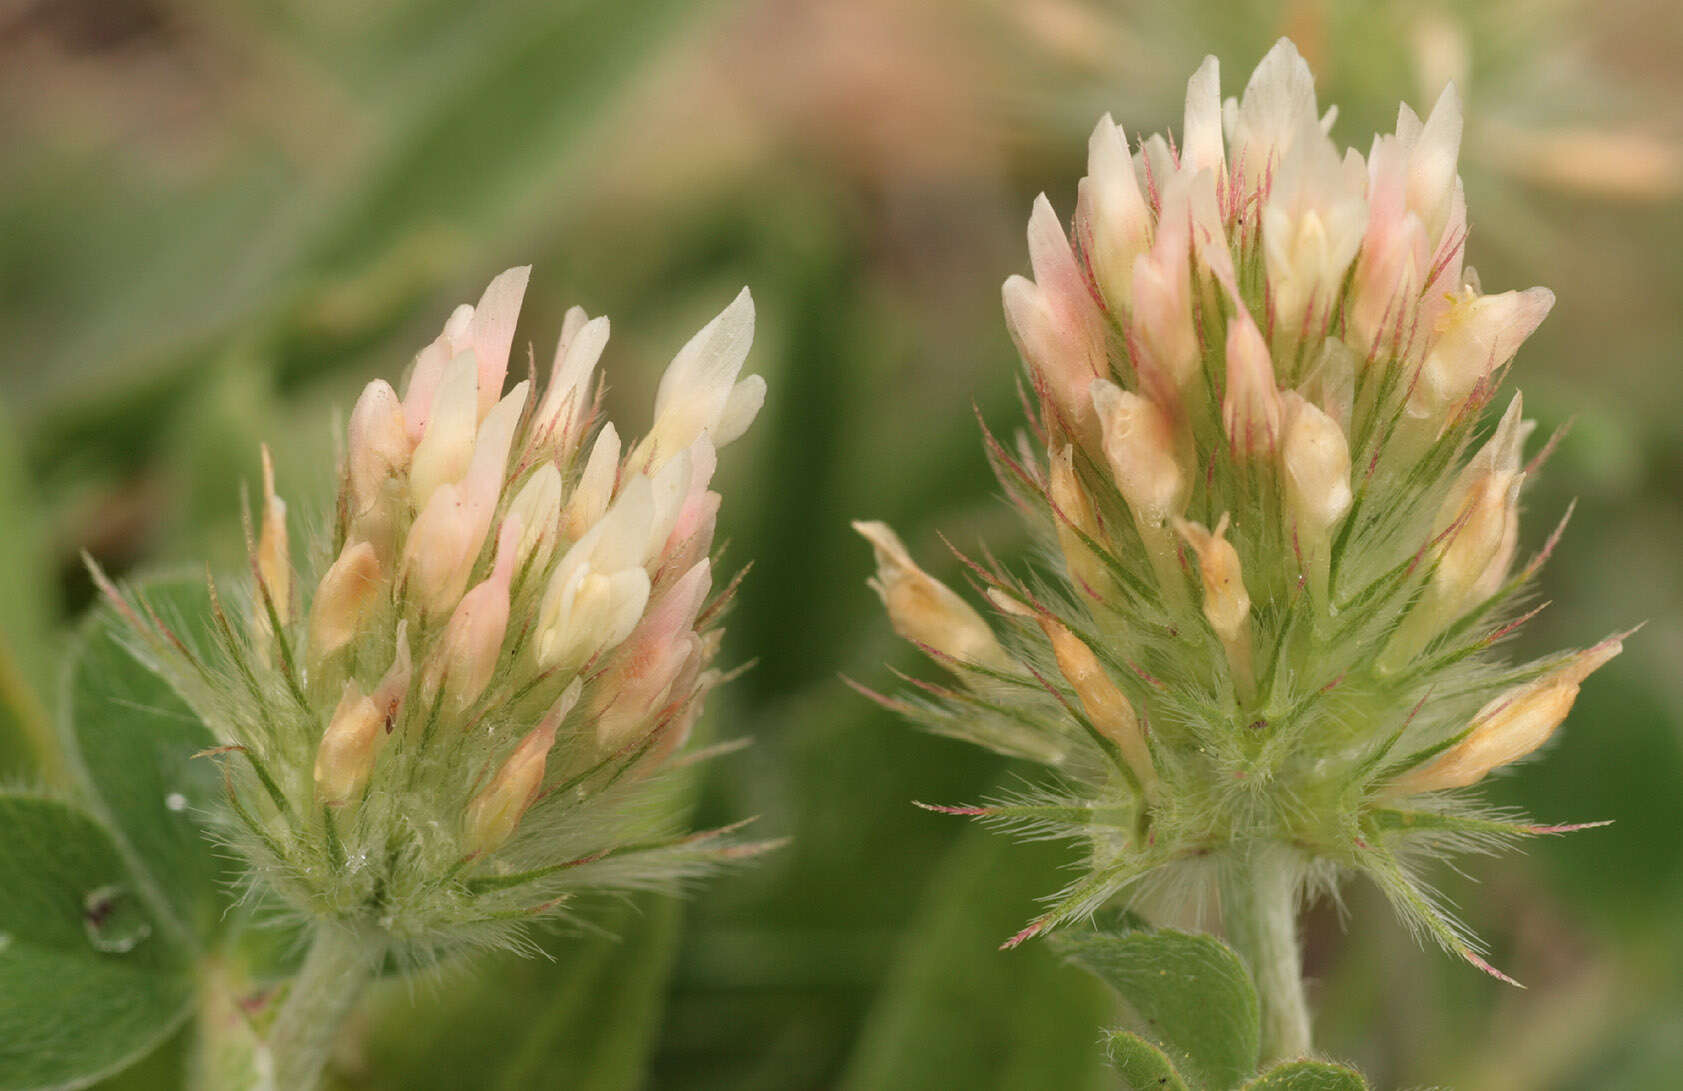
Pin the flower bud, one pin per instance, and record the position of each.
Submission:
(274, 562)
(1139, 444)
(1316, 460)
(342, 599)
(1113, 213)
(1508, 728)
(440, 551)
(377, 445)
(699, 391)
(1227, 605)
(348, 747)
(926, 611)
(1250, 408)
(493, 815)
(1107, 708)
(1075, 517)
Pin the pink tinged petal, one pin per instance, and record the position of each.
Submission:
(1201, 141)
(651, 659)
(440, 551)
(1162, 318)
(492, 332)
(1209, 236)
(1053, 319)
(465, 658)
(377, 447)
(428, 371)
(1115, 219)
(669, 486)
(444, 452)
(1250, 407)
(696, 507)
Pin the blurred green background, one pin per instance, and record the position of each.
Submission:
(218, 219)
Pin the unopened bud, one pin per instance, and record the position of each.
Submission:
(1075, 520)
(342, 599)
(926, 611)
(1108, 709)
(493, 815)
(352, 741)
(1250, 408)
(1139, 444)
(492, 332)
(1316, 460)
(1227, 605)
(1167, 341)
(1114, 214)
(274, 562)
(378, 444)
(1508, 728)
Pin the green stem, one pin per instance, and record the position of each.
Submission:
(336, 972)
(1259, 912)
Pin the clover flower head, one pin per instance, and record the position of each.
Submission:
(445, 719)
(1279, 529)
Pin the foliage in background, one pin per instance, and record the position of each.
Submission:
(219, 219)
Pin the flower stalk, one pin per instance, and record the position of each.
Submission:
(1259, 903)
(338, 969)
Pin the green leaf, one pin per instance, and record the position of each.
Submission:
(956, 1011)
(89, 980)
(1142, 1065)
(1308, 1076)
(135, 740)
(1190, 992)
(582, 1014)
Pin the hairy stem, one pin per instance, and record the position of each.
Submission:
(336, 972)
(1259, 912)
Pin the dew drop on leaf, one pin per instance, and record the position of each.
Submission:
(175, 801)
(114, 919)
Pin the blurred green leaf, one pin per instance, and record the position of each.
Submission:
(1191, 993)
(90, 980)
(135, 740)
(1142, 1065)
(27, 746)
(580, 1013)
(956, 1011)
(1308, 1076)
